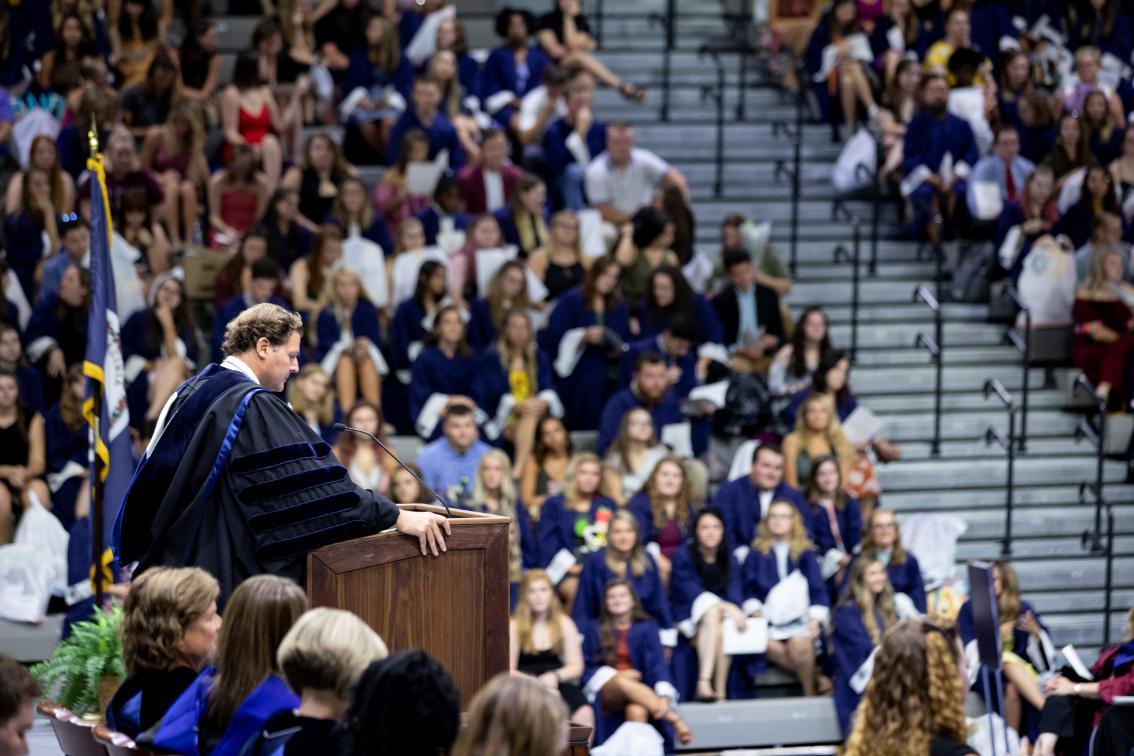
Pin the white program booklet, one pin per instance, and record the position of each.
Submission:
(1075, 662)
(753, 639)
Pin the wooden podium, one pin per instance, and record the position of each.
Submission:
(454, 607)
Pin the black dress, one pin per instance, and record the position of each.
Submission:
(13, 451)
(561, 278)
(545, 661)
(940, 746)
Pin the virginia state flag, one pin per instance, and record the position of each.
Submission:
(104, 367)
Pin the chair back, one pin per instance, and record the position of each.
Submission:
(74, 734)
(117, 743)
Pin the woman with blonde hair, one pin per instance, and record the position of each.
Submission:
(494, 492)
(44, 155)
(664, 509)
(175, 154)
(349, 340)
(1104, 328)
(780, 550)
(545, 644)
(624, 556)
(368, 464)
(915, 700)
(229, 702)
(517, 387)
(867, 609)
(1026, 650)
(818, 433)
(311, 397)
(169, 631)
(514, 716)
(310, 274)
(560, 262)
(573, 524)
(632, 456)
(321, 658)
(882, 540)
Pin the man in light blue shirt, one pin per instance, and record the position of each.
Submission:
(449, 464)
(1004, 168)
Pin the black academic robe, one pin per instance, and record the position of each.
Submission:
(239, 485)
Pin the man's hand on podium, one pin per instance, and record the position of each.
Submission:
(426, 527)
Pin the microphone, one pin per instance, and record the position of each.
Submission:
(340, 427)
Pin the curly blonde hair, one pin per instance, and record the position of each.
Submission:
(915, 694)
(798, 538)
(160, 606)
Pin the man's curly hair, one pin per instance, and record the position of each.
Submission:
(262, 321)
(160, 606)
(914, 694)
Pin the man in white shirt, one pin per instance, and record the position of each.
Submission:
(624, 177)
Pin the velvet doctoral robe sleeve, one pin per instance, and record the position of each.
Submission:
(271, 492)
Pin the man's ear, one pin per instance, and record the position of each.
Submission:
(263, 346)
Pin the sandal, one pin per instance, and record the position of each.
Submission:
(632, 92)
(681, 730)
(705, 692)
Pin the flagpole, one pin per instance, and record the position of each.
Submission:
(96, 477)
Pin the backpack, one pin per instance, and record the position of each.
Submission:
(748, 407)
(971, 278)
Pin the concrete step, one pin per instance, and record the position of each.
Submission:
(877, 380)
(1045, 523)
(1052, 605)
(1069, 547)
(889, 336)
(1038, 446)
(968, 427)
(928, 476)
(897, 403)
(954, 355)
(965, 500)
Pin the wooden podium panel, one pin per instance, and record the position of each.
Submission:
(454, 607)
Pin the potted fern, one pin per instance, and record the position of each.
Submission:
(86, 668)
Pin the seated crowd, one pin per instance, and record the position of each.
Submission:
(522, 278)
(1006, 126)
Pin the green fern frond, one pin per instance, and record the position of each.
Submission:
(78, 664)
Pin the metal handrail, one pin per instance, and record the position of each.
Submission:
(992, 434)
(1024, 345)
(716, 93)
(1092, 540)
(794, 135)
(1095, 434)
(668, 22)
(841, 254)
(936, 351)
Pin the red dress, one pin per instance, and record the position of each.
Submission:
(1103, 362)
(252, 127)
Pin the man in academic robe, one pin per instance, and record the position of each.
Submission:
(745, 501)
(235, 482)
(650, 390)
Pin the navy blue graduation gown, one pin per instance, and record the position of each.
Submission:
(584, 392)
(31, 390)
(634, 349)
(63, 445)
(666, 412)
(492, 379)
(23, 235)
(511, 232)
(363, 323)
(592, 583)
(377, 232)
(904, 578)
(178, 730)
(850, 527)
(929, 138)
(709, 328)
(500, 75)
(482, 331)
(431, 222)
(271, 492)
(852, 647)
(441, 135)
(134, 344)
(646, 655)
(556, 529)
(740, 505)
(639, 505)
(362, 73)
(760, 575)
(555, 150)
(434, 373)
(405, 329)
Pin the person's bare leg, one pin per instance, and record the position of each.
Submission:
(190, 208)
(6, 515)
(83, 502)
(37, 488)
(568, 587)
(1012, 707)
(168, 209)
(777, 653)
(170, 374)
(523, 438)
(585, 716)
(720, 671)
(862, 88)
(346, 382)
(803, 658)
(708, 647)
(271, 156)
(847, 97)
(1024, 684)
(594, 65)
(369, 383)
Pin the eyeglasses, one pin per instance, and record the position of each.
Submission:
(884, 525)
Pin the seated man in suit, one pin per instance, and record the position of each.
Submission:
(750, 314)
(489, 185)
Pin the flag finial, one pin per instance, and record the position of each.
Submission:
(92, 138)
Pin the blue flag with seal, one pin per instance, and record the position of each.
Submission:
(112, 455)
